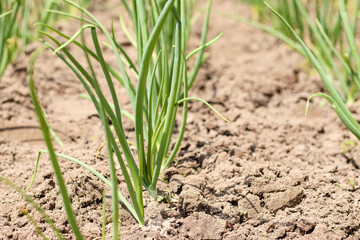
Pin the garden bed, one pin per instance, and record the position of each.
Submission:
(271, 174)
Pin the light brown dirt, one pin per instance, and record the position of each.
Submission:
(271, 174)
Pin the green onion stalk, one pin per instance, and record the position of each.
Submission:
(319, 24)
(17, 18)
(333, 96)
(159, 31)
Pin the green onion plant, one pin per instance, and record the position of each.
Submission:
(319, 24)
(17, 18)
(160, 33)
(11, 14)
(350, 62)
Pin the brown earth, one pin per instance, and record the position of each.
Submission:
(271, 174)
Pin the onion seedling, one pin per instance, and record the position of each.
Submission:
(11, 13)
(16, 25)
(162, 30)
(322, 33)
(334, 97)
